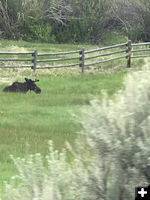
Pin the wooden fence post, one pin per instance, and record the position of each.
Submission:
(129, 47)
(35, 54)
(82, 59)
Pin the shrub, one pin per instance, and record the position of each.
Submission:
(34, 30)
(118, 131)
(37, 181)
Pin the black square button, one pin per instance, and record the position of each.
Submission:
(142, 193)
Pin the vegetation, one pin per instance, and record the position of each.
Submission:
(117, 131)
(29, 121)
(110, 157)
(74, 20)
(107, 147)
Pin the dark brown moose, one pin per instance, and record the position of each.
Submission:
(23, 87)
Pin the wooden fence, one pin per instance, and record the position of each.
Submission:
(81, 58)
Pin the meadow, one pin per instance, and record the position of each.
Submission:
(28, 121)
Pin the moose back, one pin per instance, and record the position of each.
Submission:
(23, 87)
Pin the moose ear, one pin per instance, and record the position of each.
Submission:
(26, 79)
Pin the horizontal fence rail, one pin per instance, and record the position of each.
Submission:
(103, 61)
(140, 44)
(16, 60)
(13, 67)
(16, 53)
(106, 48)
(81, 58)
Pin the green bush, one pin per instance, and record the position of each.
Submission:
(146, 36)
(118, 131)
(74, 31)
(135, 33)
(40, 33)
(32, 30)
(140, 32)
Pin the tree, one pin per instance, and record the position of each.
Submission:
(5, 20)
(16, 14)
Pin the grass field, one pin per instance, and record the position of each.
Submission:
(28, 121)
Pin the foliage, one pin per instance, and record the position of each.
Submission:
(75, 31)
(135, 33)
(34, 31)
(56, 181)
(74, 20)
(118, 131)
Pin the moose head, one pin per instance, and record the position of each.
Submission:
(32, 86)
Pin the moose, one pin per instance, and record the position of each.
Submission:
(23, 87)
